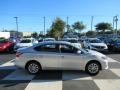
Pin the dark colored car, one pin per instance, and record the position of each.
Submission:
(114, 44)
(6, 46)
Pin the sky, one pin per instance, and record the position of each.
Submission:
(30, 13)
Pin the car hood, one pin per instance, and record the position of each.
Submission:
(98, 44)
(3, 44)
(95, 53)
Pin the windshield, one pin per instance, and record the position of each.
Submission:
(49, 40)
(26, 41)
(95, 41)
(72, 41)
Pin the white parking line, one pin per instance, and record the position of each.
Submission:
(116, 71)
(113, 60)
(108, 84)
(19, 75)
(8, 65)
(44, 85)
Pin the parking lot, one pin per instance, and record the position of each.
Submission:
(12, 78)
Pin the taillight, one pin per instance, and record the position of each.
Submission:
(18, 54)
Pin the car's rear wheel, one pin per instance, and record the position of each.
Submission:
(92, 68)
(33, 67)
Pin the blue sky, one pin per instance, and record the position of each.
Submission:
(30, 13)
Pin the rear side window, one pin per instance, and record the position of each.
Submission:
(48, 48)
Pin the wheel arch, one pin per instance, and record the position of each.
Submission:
(33, 61)
(94, 61)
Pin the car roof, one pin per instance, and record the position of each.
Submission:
(56, 42)
(26, 38)
(52, 42)
(92, 38)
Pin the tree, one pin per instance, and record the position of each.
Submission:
(34, 34)
(91, 33)
(57, 28)
(78, 26)
(103, 26)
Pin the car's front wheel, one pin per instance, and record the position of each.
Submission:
(92, 68)
(33, 67)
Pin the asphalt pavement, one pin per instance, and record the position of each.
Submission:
(12, 78)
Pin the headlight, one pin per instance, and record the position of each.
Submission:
(4, 46)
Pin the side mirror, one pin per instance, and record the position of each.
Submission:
(79, 52)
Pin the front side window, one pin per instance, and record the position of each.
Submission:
(48, 48)
(67, 49)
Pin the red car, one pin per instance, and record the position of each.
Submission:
(6, 46)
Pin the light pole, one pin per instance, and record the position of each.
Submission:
(44, 24)
(67, 22)
(16, 19)
(91, 22)
(115, 19)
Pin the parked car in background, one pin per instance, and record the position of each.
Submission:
(82, 38)
(6, 45)
(14, 39)
(49, 39)
(74, 41)
(95, 44)
(114, 44)
(25, 42)
(60, 55)
(46, 39)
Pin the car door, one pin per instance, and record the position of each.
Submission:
(49, 56)
(70, 58)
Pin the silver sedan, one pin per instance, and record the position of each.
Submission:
(60, 55)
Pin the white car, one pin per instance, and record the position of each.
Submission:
(49, 39)
(74, 42)
(60, 56)
(46, 39)
(95, 44)
(25, 42)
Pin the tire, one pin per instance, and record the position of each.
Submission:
(93, 68)
(114, 49)
(33, 67)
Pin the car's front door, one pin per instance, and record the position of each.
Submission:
(70, 58)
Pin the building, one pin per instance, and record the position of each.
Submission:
(25, 34)
(5, 35)
(9, 34)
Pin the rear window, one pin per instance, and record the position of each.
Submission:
(26, 41)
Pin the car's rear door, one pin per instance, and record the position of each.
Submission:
(49, 56)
